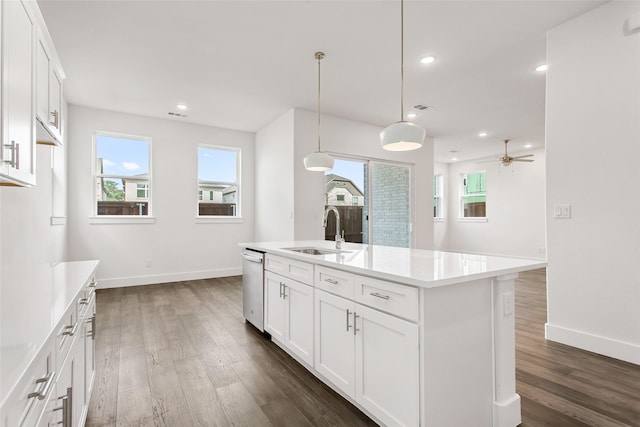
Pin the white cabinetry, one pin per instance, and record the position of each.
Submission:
(48, 93)
(18, 139)
(371, 356)
(289, 314)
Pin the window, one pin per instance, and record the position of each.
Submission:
(354, 201)
(473, 195)
(122, 175)
(218, 181)
(340, 197)
(142, 191)
(437, 197)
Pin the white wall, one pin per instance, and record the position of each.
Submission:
(346, 137)
(515, 223)
(180, 248)
(274, 180)
(593, 152)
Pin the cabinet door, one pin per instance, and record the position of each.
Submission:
(89, 350)
(71, 383)
(299, 319)
(55, 103)
(335, 341)
(274, 306)
(42, 82)
(18, 142)
(387, 367)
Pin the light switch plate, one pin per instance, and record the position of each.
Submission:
(562, 211)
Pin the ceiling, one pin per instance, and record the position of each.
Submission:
(240, 64)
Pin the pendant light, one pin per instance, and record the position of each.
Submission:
(318, 161)
(402, 135)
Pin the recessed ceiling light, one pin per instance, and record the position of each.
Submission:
(482, 134)
(542, 68)
(411, 115)
(427, 59)
(454, 159)
(528, 146)
(182, 107)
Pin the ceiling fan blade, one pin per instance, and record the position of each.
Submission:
(515, 159)
(520, 157)
(489, 161)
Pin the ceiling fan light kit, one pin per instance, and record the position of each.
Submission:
(402, 135)
(318, 161)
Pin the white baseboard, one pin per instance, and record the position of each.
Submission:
(121, 282)
(626, 351)
(507, 413)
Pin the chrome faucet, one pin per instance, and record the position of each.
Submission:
(339, 239)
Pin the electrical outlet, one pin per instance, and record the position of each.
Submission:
(542, 250)
(147, 262)
(507, 303)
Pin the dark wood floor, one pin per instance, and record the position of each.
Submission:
(180, 354)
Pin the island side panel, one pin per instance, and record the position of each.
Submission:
(456, 352)
(507, 401)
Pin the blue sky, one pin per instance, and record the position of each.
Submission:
(217, 165)
(122, 156)
(351, 170)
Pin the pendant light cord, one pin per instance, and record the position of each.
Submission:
(319, 56)
(401, 60)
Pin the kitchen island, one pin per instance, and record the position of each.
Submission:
(411, 337)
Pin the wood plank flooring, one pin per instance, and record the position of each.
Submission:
(180, 354)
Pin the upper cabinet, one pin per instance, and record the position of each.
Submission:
(30, 91)
(18, 136)
(48, 93)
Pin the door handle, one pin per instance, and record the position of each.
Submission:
(348, 325)
(355, 317)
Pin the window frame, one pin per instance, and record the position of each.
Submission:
(238, 183)
(462, 196)
(438, 193)
(114, 219)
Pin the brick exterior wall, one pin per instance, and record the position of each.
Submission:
(391, 199)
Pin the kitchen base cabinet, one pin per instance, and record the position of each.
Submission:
(289, 314)
(370, 356)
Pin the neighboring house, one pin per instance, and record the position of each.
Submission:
(215, 192)
(136, 188)
(341, 191)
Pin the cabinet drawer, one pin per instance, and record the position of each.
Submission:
(394, 298)
(66, 332)
(296, 270)
(27, 400)
(335, 281)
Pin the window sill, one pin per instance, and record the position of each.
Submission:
(218, 220)
(484, 219)
(122, 220)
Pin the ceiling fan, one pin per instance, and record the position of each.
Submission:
(506, 159)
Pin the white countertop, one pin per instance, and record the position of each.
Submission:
(32, 302)
(416, 267)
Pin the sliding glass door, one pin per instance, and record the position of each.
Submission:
(373, 199)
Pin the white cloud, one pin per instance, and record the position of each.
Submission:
(130, 166)
(108, 163)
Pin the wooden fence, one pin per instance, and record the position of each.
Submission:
(350, 222)
(123, 208)
(216, 209)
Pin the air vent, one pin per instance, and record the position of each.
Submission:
(171, 113)
(422, 107)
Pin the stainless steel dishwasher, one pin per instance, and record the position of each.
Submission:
(253, 287)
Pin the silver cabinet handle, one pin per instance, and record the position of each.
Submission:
(70, 329)
(48, 382)
(83, 301)
(281, 285)
(252, 258)
(56, 119)
(66, 408)
(377, 295)
(284, 291)
(93, 326)
(92, 285)
(348, 325)
(11, 147)
(333, 282)
(355, 317)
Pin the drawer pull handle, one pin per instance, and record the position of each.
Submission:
(377, 295)
(83, 301)
(92, 285)
(70, 329)
(48, 382)
(333, 282)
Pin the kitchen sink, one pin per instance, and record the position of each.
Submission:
(315, 251)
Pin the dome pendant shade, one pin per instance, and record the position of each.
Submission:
(318, 162)
(402, 136)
